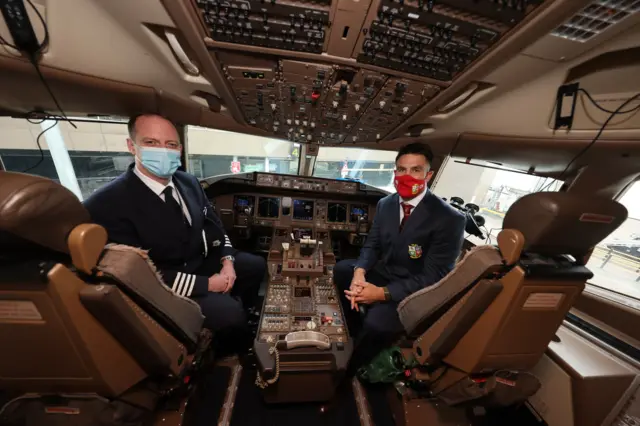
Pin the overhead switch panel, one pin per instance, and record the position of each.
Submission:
(286, 25)
(321, 103)
(437, 39)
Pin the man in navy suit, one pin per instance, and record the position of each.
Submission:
(413, 243)
(165, 211)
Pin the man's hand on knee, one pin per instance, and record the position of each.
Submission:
(229, 271)
(366, 293)
(218, 283)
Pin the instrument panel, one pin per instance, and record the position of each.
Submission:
(299, 212)
(346, 71)
(273, 200)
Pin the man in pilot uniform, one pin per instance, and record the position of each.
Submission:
(165, 211)
(413, 243)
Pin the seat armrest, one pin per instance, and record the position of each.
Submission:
(107, 305)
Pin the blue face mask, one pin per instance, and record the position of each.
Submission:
(161, 162)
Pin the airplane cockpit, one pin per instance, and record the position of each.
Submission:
(285, 121)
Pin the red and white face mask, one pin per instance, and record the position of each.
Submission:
(408, 187)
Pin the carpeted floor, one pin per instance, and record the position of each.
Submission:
(251, 410)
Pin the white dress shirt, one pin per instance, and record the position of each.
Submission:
(414, 202)
(157, 188)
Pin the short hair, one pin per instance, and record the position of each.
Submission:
(131, 124)
(416, 148)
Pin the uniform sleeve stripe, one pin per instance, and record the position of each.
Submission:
(175, 282)
(227, 241)
(204, 239)
(189, 288)
(183, 280)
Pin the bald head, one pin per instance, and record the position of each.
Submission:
(141, 124)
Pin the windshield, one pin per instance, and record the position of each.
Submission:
(217, 152)
(370, 166)
(492, 190)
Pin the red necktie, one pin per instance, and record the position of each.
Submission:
(406, 208)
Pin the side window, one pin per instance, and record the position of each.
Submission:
(97, 150)
(492, 190)
(615, 262)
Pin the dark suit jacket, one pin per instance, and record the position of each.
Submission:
(419, 256)
(134, 215)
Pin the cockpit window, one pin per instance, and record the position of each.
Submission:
(493, 189)
(373, 167)
(218, 152)
(615, 262)
(97, 151)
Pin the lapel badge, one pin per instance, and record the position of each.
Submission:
(216, 243)
(415, 251)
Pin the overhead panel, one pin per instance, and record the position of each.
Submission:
(317, 102)
(347, 71)
(436, 39)
(290, 25)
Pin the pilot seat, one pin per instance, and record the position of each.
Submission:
(487, 323)
(89, 334)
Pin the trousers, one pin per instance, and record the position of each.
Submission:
(378, 328)
(225, 313)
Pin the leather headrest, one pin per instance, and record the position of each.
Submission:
(555, 223)
(39, 210)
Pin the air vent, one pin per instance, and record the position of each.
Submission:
(596, 18)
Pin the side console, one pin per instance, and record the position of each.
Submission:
(303, 346)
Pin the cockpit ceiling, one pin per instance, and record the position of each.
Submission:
(370, 73)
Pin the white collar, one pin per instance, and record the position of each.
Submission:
(415, 200)
(156, 187)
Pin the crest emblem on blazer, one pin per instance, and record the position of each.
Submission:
(415, 251)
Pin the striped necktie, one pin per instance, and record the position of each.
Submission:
(406, 209)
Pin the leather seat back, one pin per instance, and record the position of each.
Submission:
(507, 321)
(60, 329)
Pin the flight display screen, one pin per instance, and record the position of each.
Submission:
(358, 210)
(269, 207)
(302, 210)
(243, 203)
(302, 233)
(337, 213)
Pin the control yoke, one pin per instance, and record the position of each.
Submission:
(470, 210)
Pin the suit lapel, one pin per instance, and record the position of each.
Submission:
(150, 209)
(394, 213)
(190, 198)
(419, 215)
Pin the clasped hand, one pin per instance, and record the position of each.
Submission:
(224, 281)
(363, 292)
